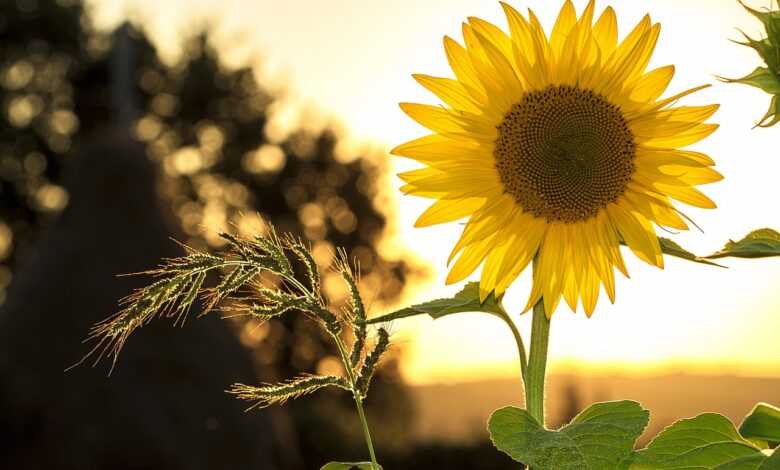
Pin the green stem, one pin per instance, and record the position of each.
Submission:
(537, 363)
(519, 341)
(366, 433)
(350, 376)
(358, 399)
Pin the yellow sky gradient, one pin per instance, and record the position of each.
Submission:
(352, 60)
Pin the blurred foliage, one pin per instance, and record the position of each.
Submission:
(205, 124)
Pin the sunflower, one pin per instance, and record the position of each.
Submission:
(557, 149)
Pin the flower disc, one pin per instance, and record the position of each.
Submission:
(564, 153)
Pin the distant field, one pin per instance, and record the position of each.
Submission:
(457, 413)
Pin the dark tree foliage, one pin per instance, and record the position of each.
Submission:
(202, 124)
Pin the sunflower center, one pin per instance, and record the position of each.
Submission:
(564, 153)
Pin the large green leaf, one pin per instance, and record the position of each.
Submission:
(706, 442)
(772, 463)
(760, 243)
(467, 300)
(599, 438)
(763, 424)
(349, 466)
(671, 248)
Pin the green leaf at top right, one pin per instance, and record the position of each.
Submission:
(761, 243)
(762, 424)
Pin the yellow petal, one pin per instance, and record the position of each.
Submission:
(436, 148)
(673, 157)
(590, 291)
(606, 32)
(630, 62)
(469, 260)
(654, 209)
(522, 253)
(652, 84)
(450, 91)
(445, 210)
(491, 218)
(503, 72)
(684, 138)
(461, 65)
(567, 18)
(444, 121)
(638, 234)
(607, 236)
(432, 179)
(672, 120)
(493, 34)
(491, 271)
(687, 195)
(550, 269)
(633, 38)
(533, 69)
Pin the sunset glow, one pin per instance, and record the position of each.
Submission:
(351, 61)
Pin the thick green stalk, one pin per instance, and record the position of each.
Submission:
(537, 363)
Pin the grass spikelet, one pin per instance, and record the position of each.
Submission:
(230, 283)
(369, 365)
(278, 394)
(303, 252)
(273, 247)
(357, 310)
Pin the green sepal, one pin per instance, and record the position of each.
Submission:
(467, 300)
(599, 438)
(772, 116)
(762, 78)
(770, 19)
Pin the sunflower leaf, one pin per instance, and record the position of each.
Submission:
(772, 463)
(762, 424)
(706, 442)
(599, 438)
(350, 466)
(762, 243)
(467, 300)
(672, 248)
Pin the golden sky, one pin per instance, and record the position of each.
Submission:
(352, 60)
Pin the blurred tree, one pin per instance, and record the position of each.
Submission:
(203, 124)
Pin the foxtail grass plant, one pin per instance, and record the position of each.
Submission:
(258, 279)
